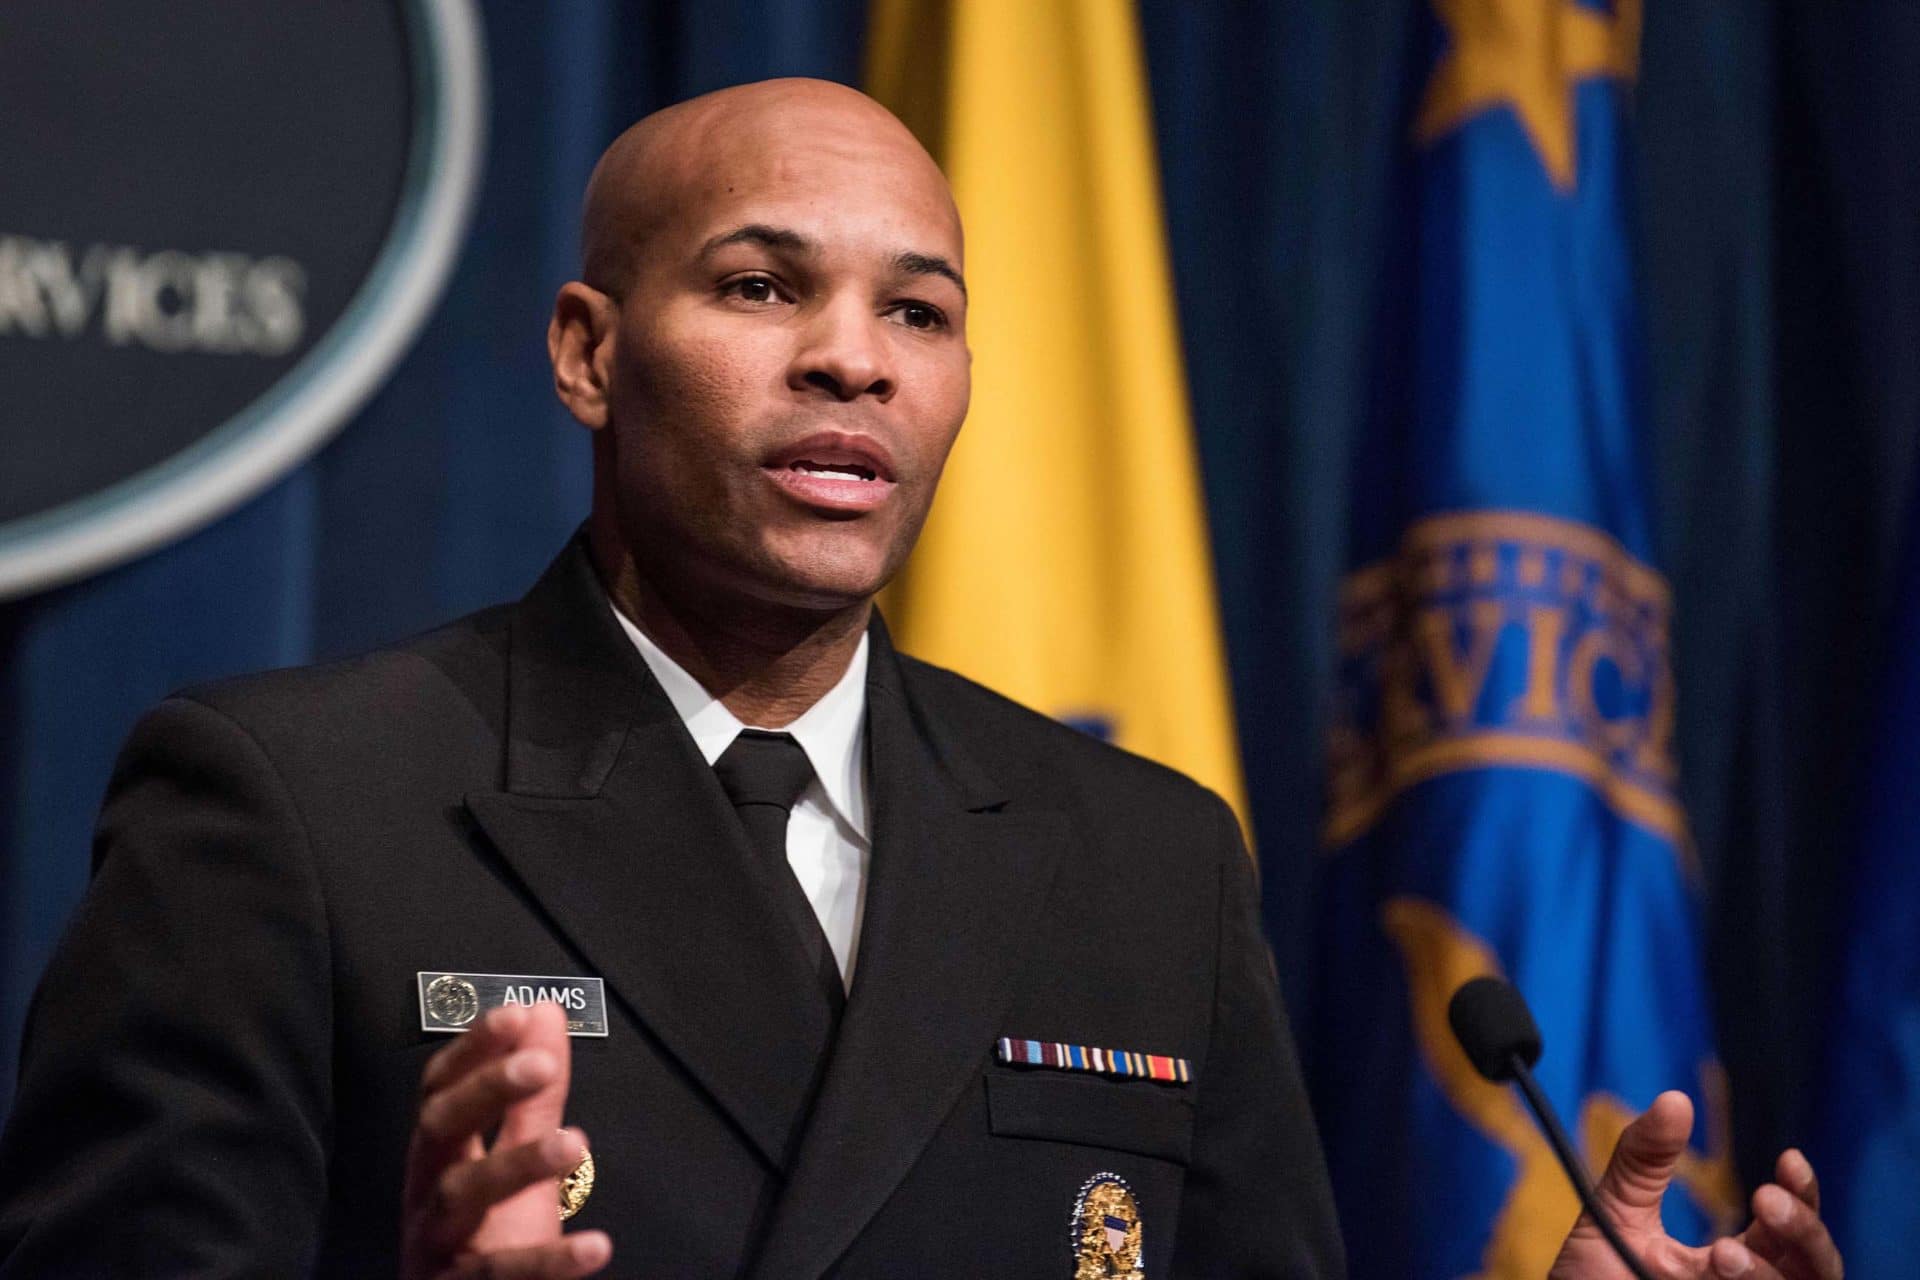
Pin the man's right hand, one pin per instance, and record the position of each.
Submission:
(471, 1211)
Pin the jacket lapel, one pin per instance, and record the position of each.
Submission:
(612, 821)
(954, 886)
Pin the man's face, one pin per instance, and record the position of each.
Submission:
(789, 365)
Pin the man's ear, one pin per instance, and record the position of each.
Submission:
(578, 339)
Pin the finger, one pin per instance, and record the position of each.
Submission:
(489, 1039)
(1789, 1233)
(1667, 1259)
(467, 1191)
(533, 1116)
(580, 1254)
(1795, 1172)
(1731, 1260)
(1644, 1160)
(493, 1036)
(454, 1120)
(474, 1104)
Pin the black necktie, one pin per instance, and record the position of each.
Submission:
(763, 774)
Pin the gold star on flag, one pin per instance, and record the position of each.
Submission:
(1529, 55)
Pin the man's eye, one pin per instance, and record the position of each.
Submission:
(918, 315)
(754, 289)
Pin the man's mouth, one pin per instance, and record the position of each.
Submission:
(834, 472)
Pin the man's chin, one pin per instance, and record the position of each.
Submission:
(817, 594)
(826, 579)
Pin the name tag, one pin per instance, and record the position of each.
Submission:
(450, 1002)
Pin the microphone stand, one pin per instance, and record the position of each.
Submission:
(1582, 1185)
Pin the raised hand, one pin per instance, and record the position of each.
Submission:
(479, 1210)
(1786, 1241)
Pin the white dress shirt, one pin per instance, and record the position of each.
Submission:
(828, 844)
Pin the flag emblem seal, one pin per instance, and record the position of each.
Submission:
(1106, 1230)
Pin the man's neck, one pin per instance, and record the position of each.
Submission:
(766, 664)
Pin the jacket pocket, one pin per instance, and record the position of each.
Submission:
(1146, 1119)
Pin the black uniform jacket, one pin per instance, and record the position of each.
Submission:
(223, 1059)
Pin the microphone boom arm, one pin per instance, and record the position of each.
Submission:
(1570, 1160)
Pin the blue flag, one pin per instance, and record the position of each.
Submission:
(1501, 792)
(1869, 1153)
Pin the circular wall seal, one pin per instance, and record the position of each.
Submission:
(221, 228)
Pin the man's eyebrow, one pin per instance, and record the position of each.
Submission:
(791, 241)
(929, 264)
(761, 234)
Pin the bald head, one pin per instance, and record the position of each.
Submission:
(684, 158)
(770, 344)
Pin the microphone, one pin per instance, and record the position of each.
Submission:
(1492, 1023)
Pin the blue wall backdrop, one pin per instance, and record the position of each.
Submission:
(1780, 249)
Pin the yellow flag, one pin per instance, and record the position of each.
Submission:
(1065, 562)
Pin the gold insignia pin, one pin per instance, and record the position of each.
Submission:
(1106, 1230)
(576, 1187)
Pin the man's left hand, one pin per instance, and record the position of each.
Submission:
(1786, 1241)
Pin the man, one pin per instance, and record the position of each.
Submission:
(690, 764)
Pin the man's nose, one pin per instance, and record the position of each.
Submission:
(844, 354)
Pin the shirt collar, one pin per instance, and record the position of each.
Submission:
(832, 731)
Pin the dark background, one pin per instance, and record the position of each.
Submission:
(1779, 235)
(195, 150)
